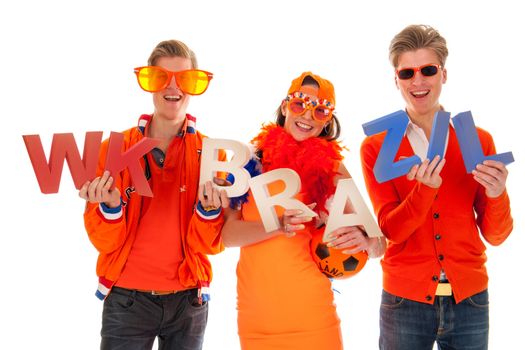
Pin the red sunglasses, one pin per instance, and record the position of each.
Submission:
(427, 70)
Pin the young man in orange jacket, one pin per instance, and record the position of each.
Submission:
(434, 276)
(152, 265)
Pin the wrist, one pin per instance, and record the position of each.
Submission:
(375, 247)
(112, 204)
(207, 213)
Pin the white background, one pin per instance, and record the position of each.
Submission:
(68, 67)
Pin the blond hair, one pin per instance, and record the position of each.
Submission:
(418, 36)
(172, 48)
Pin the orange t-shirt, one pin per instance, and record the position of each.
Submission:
(156, 255)
(284, 301)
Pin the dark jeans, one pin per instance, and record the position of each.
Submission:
(410, 325)
(132, 320)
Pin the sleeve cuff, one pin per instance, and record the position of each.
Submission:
(207, 214)
(501, 198)
(110, 214)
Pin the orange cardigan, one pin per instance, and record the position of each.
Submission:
(430, 229)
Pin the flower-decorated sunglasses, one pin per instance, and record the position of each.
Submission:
(298, 103)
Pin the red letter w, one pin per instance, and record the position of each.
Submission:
(63, 147)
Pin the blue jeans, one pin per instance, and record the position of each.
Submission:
(131, 320)
(410, 325)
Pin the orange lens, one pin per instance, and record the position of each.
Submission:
(297, 105)
(152, 79)
(322, 113)
(193, 82)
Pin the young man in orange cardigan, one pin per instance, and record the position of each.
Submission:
(434, 276)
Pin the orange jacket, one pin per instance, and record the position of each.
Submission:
(433, 228)
(112, 231)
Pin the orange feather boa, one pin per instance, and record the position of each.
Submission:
(316, 160)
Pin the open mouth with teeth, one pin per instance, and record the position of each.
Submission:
(172, 98)
(420, 94)
(303, 126)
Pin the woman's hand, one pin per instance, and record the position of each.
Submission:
(293, 220)
(352, 237)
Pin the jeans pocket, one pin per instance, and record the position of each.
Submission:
(120, 297)
(479, 300)
(391, 301)
(192, 298)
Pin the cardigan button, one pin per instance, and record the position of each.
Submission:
(437, 236)
(435, 278)
(441, 257)
(428, 297)
(436, 215)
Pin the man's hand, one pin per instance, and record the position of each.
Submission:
(493, 176)
(428, 173)
(212, 198)
(99, 191)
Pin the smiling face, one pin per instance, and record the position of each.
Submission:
(304, 126)
(171, 103)
(421, 93)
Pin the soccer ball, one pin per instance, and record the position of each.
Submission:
(332, 262)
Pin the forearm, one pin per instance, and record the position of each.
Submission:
(398, 222)
(204, 234)
(106, 230)
(240, 233)
(398, 214)
(495, 219)
(377, 247)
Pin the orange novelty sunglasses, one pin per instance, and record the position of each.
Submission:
(191, 81)
(298, 103)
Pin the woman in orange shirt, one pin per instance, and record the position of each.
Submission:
(284, 301)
